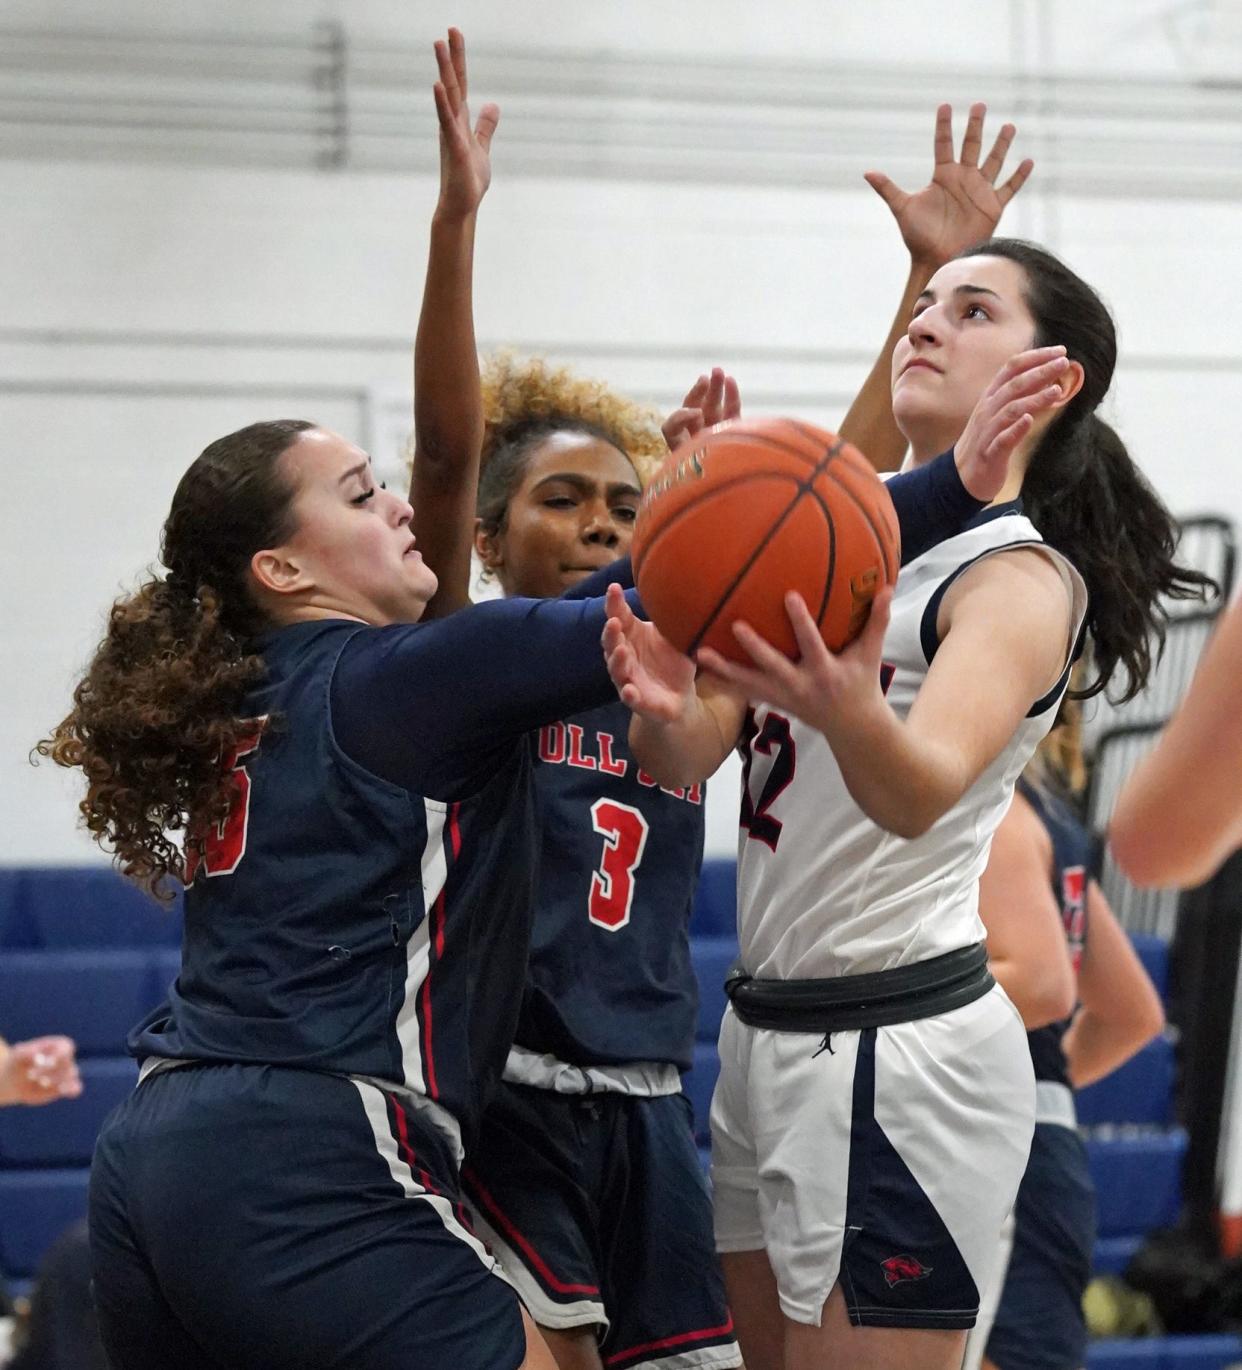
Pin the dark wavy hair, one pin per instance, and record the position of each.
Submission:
(1083, 491)
(159, 705)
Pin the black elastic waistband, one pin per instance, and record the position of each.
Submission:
(862, 1001)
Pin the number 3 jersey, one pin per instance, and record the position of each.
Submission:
(610, 980)
(822, 890)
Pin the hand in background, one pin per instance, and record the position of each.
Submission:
(465, 154)
(962, 204)
(39, 1071)
(710, 400)
(1023, 388)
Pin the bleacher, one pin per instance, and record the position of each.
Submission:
(83, 953)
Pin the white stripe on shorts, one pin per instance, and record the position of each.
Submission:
(546, 1311)
(376, 1107)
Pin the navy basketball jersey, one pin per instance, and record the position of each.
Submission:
(610, 978)
(341, 921)
(1070, 866)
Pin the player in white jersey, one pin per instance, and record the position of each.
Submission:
(875, 1103)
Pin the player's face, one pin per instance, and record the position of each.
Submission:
(970, 320)
(572, 513)
(353, 549)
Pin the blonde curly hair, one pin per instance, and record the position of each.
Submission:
(519, 393)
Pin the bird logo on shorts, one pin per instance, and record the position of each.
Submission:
(899, 1269)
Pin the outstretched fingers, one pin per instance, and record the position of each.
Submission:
(1006, 192)
(973, 139)
(995, 159)
(485, 125)
(617, 608)
(942, 137)
(448, 75)
(892, 195)
(457, 55)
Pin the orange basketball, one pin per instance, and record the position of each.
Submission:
(747, 511)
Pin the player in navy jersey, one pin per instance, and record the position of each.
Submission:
(586, 1179)
(1052, 940)
(357, 915)
(282, 1187)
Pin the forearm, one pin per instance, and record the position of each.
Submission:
(1039, 998)
(448, 411)
(869, 424)
(1094, 1047)
(677, 755)
(903, 782)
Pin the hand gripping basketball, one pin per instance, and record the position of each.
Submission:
(748, 511)
(822, 688)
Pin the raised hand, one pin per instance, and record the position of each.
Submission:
(652, 677)
(39, 1071)
(1025, 387)
(710, 400)
(465, 153)
(824, 689)
(962, 204)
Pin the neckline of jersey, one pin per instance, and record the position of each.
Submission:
(994, 511)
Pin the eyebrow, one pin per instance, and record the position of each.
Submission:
(355, 471)
(586, 484)
(961, 290)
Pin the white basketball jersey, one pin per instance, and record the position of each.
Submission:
(822, 890)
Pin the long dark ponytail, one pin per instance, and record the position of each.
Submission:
(1083, 491)
(159, 705)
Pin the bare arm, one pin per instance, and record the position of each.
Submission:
(960, 205)
(1026, 938)
(1005, 628)
(1180, 813)
(448, 407)
(1121, 1011)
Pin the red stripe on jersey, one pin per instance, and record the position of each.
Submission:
(503, 1222)
(724, 1330)
(435, 951)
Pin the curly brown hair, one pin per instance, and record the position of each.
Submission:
(525, 400)
(160, 704)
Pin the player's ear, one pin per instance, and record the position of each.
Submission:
(1070, 383)
(488, 545)
(279, 571)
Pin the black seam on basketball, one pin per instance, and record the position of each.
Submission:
(779, 445)
(832, 554)
(804, 487)
(674, 519)
(871, 523)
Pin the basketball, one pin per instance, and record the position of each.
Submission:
(742, 514)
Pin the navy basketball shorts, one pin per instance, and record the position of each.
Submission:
(262, 1216)
(597, 1208)
(1039, 1321)
(886, 1159)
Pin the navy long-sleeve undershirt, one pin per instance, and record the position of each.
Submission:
(930, 501)
(436, 707)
